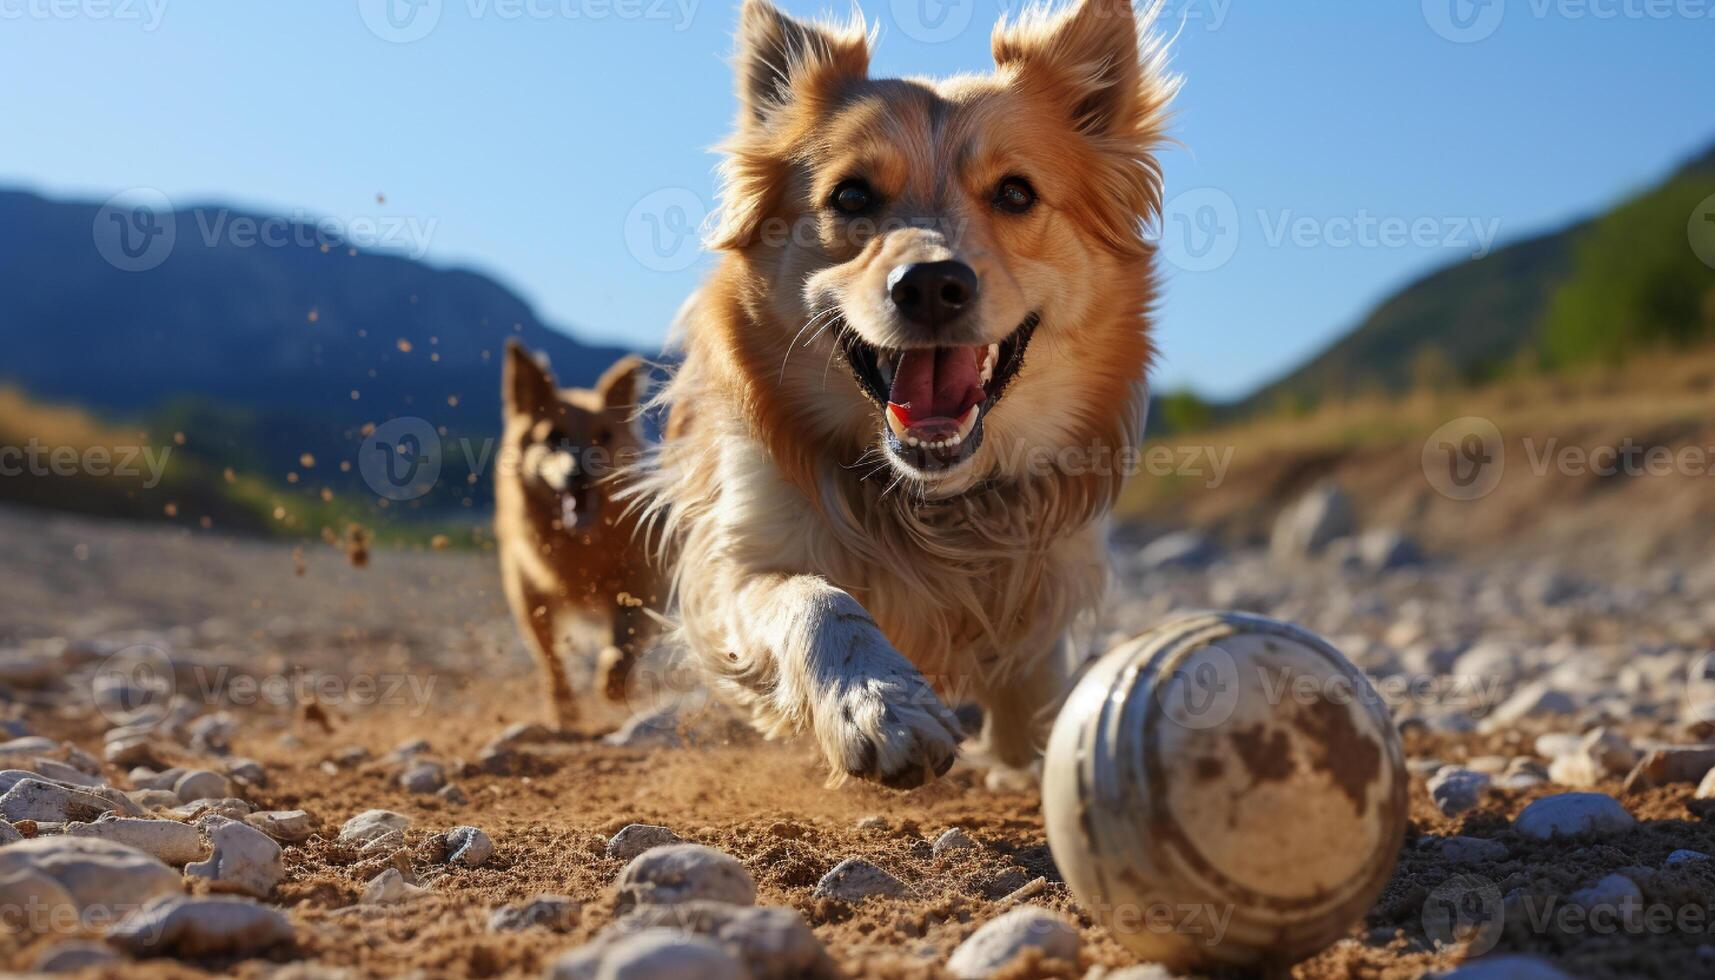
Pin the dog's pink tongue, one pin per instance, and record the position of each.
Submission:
(943, 382)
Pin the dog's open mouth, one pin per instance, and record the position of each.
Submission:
(934, 399)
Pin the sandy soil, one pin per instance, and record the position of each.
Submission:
(419, 646)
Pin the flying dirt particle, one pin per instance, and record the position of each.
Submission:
(80, 552)
(327, 495)
(292, 477)
(231, 475)
(357, 539)
(207, 523)
(315, 714)
(440, 542)
(355, 395)
(453, 401)
(345, 466)
(314, 315)
(171, 510)
(404, 346)
(178, 438)
(380, 198)
(279, 513)
(307, 461)
(298, 566)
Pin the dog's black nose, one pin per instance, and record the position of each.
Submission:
(932, 293)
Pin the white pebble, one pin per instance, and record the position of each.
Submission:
(636, 838)
(193, 927)
(244, 859)
(854, 880)
(653, 954)
(1569, 814)
(389, 888)
(1456, 790)
(679, 873)
(469, 847)
(371, 824)
(1002, 940)
(89, 871)
(170, 841)
(200, 784)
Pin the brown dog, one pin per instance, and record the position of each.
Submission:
(916, 373)
(567, 548)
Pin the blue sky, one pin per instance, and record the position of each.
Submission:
(1332, 150)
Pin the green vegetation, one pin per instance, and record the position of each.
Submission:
(1636, 284)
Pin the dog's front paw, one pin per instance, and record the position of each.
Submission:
(890, 728)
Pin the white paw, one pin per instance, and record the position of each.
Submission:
(885, 724)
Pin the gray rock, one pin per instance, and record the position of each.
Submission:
(371, 824)
(468, 847)
(200, 784)
(285, 826)
(9, 833)
(1600, 753)
(1308, 526)
(75, 956)
(1473, 850)
(89, 872)
(168, 840)
(652, 954)
(1538, 699)
(1385, 549)
(773, 943)
(243, 859)
(657, 728)
(1574, 814)
(951, 841)
(1002, 940)
(555, 913)
(47, 802)
(389, 888)
(1180, 549)
(1684, 856)
(1615, 894)
(1456, 790)
(1507, 968)
(451, 795)
(193, 927)
(247, 771)
(423, 777)
(634, 839)
(678, 873)
(855, 879)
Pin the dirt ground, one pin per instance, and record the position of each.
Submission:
(418, 646)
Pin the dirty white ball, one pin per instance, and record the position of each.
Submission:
(1225, 790)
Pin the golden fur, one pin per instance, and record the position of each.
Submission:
(557, 444)
(825, 584)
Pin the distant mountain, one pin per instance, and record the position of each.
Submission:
(261, 346)
(1623, 277)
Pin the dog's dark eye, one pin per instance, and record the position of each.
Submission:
(1015, 195)
(853, 197)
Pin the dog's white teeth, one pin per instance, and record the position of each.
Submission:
(989, 362)
(968, 422)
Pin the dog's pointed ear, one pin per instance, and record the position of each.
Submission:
(780, 58)
(527, 386)
(1097, 58)
(621, 384)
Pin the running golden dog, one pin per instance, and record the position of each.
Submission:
(928, 330)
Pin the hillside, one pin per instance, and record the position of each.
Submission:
(1620, 279)
(260, 352)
